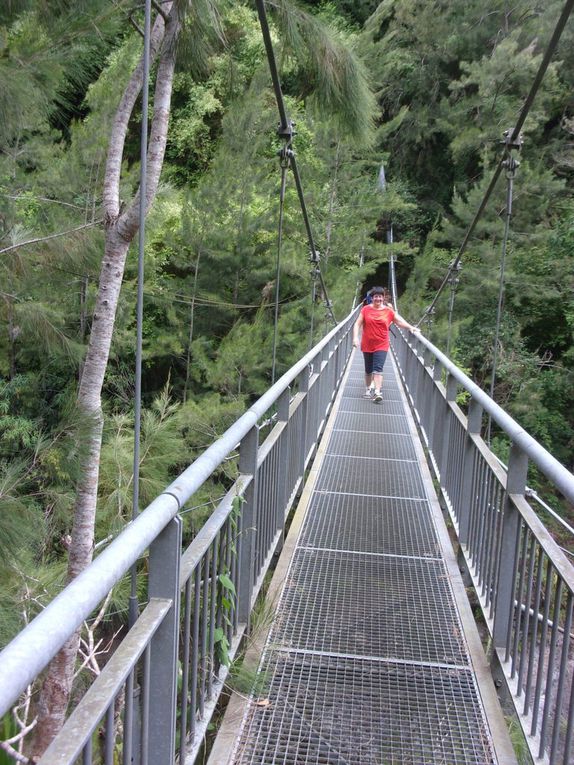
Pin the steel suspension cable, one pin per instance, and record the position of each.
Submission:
(512, 166)
(511, 140)
(133, 600)
(286, 131)
(284, 167)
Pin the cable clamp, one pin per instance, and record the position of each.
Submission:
(286, 131)
(285, 154)
(511, 143)
(454, 270)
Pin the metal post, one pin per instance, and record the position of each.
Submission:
(248, 467)
(283, 463)
(164, 566)
(473, 426)
(448, 422)
(511, 166)
(304, 389)
(435, 433)
(453, 280)
(504, 600)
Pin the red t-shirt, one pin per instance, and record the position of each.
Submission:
(376, 323)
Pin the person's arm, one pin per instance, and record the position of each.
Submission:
(357, 330)
(400, 322)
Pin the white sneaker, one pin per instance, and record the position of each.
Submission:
(377, 398)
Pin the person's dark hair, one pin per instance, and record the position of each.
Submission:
(377, 291)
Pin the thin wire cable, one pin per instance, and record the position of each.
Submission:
(133, 601)
(284, 168)
(511, 139)
(454, 280)
(312, 327)
(509, 190)
(286, 131)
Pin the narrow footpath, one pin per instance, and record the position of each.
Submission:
(372, 656)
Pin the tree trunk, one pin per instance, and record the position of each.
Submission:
(120, 230)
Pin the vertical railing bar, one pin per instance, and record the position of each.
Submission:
(468, 471)
(457, 478)
(496, 552)
(550, 671)
(489, 518)
(526, 621)
(492, 568)
(146, 688)
(110, 730)
(229, 631)
(110, 734)
(185, 668)
(532, 650)
(260, 530)
(204, 633)
(475, 507)
(87, 752)
(481, 505)
(518, 604)
(212, 606)
(509, 547)
(234, 552)
(482, 524)
(193, 701)
(248, 466)
(511, 610)
(561, 680)
(569, 729)
(164, 583)
(128, 719)
(238, 544)
(542, 649)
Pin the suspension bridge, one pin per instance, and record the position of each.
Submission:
(373, 655)
(370, 653)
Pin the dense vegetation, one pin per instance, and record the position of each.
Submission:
(448, 78)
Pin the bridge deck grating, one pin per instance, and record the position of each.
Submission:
(348, 443)
(366, 661)
(370, 525)
(387, 606)
(331, 711)
(375, 476)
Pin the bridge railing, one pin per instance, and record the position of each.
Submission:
(524, 581)
(158, 691)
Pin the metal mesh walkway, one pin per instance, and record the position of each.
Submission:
(366, 662)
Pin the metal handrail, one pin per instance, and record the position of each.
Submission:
(562, 478)
(523, 579)
(25, 657)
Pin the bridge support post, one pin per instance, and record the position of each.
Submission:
(473, 426)
(444, 463)
(164, 565)
(247, 552)
(304, 389)
(509, 550)
(424, 402)
(435, 432)
(283, 464)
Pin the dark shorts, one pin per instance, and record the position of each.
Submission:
(374, 362)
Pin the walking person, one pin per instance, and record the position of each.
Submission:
(373, 324)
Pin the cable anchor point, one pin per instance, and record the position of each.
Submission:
(510, 163)
(454, 269)
(286, 131)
